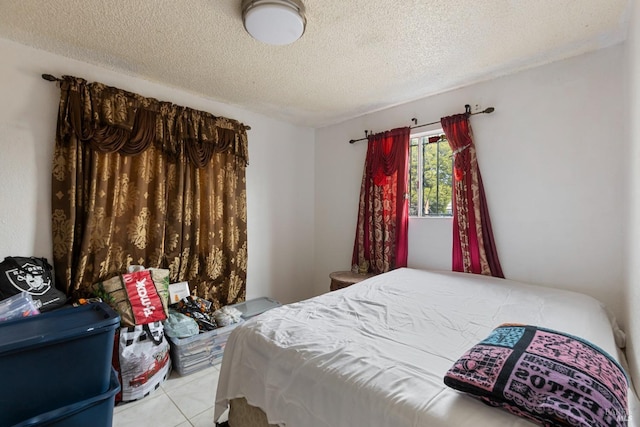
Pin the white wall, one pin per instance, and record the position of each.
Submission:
(552, 158)
(632, 288)
(279, 177)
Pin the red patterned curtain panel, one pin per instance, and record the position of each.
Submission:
(139, 181)
(474, 249)
(383, 216)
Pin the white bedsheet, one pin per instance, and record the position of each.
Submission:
(375, 353)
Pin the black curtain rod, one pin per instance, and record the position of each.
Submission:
(467, 109)
(51, 78)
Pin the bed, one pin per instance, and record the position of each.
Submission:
(376, 353)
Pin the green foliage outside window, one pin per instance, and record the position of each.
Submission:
(431, 167)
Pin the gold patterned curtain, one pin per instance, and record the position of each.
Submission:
(139, 181)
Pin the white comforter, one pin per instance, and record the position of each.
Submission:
(375, 354)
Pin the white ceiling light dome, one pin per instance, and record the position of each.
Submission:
(277, 22)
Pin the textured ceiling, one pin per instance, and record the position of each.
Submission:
(356, 56)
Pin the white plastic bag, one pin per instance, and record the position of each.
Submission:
(144, 362)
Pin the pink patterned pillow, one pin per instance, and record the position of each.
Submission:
(546, 376)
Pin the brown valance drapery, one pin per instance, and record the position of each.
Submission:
(114, 120)
(140, 181)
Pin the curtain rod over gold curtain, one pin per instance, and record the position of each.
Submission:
(113, 119)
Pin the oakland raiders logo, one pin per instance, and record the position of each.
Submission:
(29, 278)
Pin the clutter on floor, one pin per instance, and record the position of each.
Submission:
(118, 346)
(194, 353)
(186, 333)
(141, 351)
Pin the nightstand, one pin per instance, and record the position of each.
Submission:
(342, 279)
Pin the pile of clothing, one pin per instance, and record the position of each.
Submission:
(198, 309)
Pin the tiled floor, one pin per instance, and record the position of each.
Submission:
(179, 402)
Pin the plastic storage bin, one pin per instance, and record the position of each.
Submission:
(96, 411)
(256, 306)
(55, 359)
(200, 351)
(17, 306)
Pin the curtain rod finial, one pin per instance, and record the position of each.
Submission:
(489, 110)
(50, 78)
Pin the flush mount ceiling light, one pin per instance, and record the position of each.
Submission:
(276, 22)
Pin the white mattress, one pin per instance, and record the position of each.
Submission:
(375, 353)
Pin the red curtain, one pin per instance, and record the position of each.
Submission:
(383, 216)
(474, 249)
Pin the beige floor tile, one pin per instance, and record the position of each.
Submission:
(204, 419)
(176, 380)
(185, 401)
(196, 396)
(127, 405)
(156, 410)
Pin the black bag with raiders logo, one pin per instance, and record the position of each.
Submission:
(34, 276)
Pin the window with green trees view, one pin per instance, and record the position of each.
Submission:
(430, 175)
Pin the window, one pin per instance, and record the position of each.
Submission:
(430, 175)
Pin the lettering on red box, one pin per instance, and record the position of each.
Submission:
(145, 301)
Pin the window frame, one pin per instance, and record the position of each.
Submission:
(421, 136)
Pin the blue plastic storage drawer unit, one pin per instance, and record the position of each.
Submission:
(95, 411)
(55, 359)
